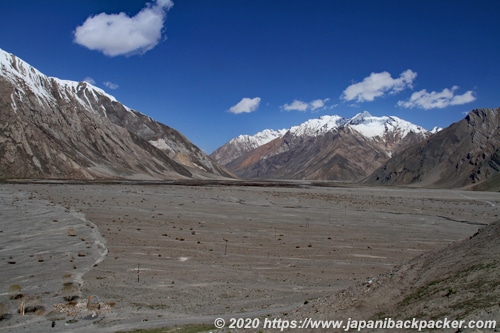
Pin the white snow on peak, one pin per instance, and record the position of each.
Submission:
(364, 123)
(318, 126)
(371, 126)
(436, 129)
(260, 138)
(76, 86)
(16, 71)
(27, 78)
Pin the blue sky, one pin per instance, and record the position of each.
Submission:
(214, 69)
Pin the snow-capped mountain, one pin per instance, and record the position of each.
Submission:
(322, 148)
(242, 144)
(318, 126)
(372, 127)
(53, 128)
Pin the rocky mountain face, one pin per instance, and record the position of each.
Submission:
(52, 128)
(243, 144)
(327, 148)
(465, 153)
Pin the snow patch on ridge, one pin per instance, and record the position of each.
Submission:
(371, 127)
(28, 79)
(258, 139)
(318, 126)
(364, 123)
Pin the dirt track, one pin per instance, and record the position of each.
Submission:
(181, 254)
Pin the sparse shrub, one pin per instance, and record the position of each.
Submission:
(93, 303)
(31, 305)
(70, 291)
(15, 292)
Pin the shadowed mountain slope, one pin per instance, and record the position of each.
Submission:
(465, 153)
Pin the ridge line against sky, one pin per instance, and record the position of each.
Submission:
(230, 68)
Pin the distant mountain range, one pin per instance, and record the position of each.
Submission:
(59, 129)
(53, 128)
(374, 150)
(329, 148)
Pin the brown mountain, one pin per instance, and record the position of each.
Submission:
(52, 128)
(328, 148)
(466, 153)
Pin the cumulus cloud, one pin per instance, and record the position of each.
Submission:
(111, 85)
(302, 106)
(88, 79)
(318, 104)
(246, 105)
(296, 105)
(437, 100)
(119, 34)
(377, 84)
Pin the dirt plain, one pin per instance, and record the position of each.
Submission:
(172, 254)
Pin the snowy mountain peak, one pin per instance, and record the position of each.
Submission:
(318, 126)
(436, 129)
(244, 143)
(364, 123)
(371, 126)
(29, 80)
(260, 138)
(57, 128)
(380, 129)
(360, 117)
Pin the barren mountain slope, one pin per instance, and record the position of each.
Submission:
(465, 153)
(459, 282)
(52, 128)
(242, 144)
(348, 150)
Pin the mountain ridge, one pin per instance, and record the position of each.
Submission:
(467, 153)
(54, 128)
(323, 148)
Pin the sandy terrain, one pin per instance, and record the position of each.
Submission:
(176, 254)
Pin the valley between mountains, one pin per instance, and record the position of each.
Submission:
(111, 221)
(60, 129)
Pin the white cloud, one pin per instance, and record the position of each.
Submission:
(302, 106)
(111, 85)
(437, 100)
(296, 106)
(377, 84)
(318, 104)
(88, 79)
(246, 105)
(119, 34)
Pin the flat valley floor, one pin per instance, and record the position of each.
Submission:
(143, 255)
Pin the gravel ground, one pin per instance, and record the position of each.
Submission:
(139, 255)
